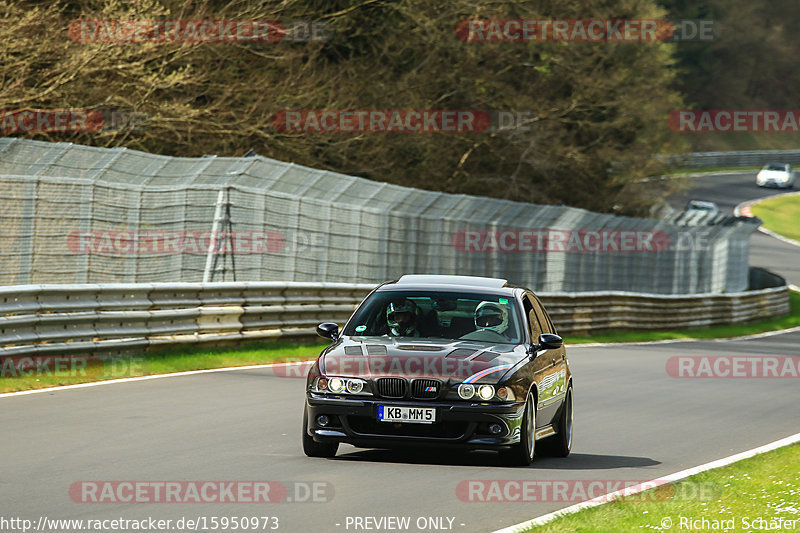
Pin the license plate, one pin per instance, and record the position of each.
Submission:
(413, 415)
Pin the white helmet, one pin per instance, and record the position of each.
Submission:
(492, 316)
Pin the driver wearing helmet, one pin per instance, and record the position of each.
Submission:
(402, 319)
(491, 316)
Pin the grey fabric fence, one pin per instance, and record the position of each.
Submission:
(78, 214)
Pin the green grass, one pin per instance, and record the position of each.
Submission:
(781, 215)
(163, 362)
(767, 486)
(183, 359)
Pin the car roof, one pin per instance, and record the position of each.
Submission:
(451, 280)
(451, 283)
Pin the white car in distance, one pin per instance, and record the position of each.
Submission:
(776, 175)
(701, 206)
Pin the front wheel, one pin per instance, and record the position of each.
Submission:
(316, 449)
(522, 453)
(560, 444)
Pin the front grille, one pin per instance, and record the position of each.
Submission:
(425, 389)
(392, 387)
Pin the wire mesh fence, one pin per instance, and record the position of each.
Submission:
(79, 214)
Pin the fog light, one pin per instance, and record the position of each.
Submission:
(323, 420)
(495, 429)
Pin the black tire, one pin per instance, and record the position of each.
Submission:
(522, 453)
(316, 449)
(560, 444)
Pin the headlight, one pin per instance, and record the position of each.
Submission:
(336, 384)
(340, 385)
(486, 392)
(466, 391)
(354, 386)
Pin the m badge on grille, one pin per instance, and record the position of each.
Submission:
(430, 389)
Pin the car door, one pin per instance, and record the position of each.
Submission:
(543, 365)
(558, 359)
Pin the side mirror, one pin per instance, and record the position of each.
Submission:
(329, 330)
(548, 341)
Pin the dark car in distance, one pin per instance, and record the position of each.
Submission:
(442, 360)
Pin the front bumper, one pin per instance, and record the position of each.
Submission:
(461, 424)
(774, 183)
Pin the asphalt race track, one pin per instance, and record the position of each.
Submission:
(728, 191)
(633, 422)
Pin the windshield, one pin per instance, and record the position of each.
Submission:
(440, 315)
(775, 166)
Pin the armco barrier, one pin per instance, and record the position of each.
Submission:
(121, 318)
(753, 158)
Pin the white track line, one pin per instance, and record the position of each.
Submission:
(677, 476)
(779, 237)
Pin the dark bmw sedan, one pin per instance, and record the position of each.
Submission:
(442, 360)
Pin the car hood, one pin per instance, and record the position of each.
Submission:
(371, 357)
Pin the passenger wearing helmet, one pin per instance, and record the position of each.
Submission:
(402, 319)
(491, 316)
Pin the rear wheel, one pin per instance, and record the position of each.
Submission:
(316, 449)
(522, 453)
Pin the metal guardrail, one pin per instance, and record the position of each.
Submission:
(752, 158)
(593, 313)
(116, 319)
